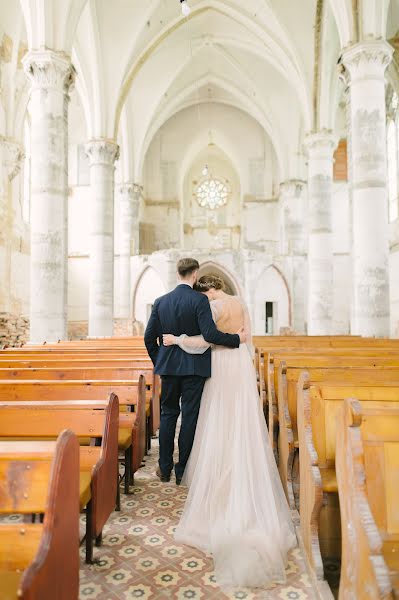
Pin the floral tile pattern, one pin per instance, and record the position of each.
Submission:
(139, 558)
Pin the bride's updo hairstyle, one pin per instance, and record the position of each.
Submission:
(207, 282)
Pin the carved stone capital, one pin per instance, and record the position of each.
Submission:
(132, 190)
(102, 152)
(292, 188)
(137, 191)
(368, 59)
(47, 69)
(131, 194)
(12, 154)
(344, 76)
(321, 144)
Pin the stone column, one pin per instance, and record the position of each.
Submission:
(366, 63)
(320, 147)
(102, 155)
(130, 195)
(11, 156)
(294, 246)
(292, 198)
(345, 78)
(51, 75)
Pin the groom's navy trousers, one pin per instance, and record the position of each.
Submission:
(183, 375)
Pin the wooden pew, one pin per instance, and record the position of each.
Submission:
(135, 341)
(40, 560)
(288, 376)
(367, 460)
(92, 372)
(316, 359)
(130, 394)
(63, 362)
(99, 465)
(318, 407)
(61, 358)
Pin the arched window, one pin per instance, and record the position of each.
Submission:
(212, 193)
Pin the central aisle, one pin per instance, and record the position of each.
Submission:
(139, 558)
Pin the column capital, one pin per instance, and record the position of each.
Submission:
(367, 59)
(131, 194)
(292, 188)
(133, 190)
(102, 151)
(321, 144)
(12, 156)
(343, 75)
(47, 69)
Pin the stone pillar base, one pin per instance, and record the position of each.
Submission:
(78, 330)
(127, 327)
(14, 330)
(123, 327)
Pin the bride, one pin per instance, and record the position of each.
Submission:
(236, 508)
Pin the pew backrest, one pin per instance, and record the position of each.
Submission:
(40, 550)
(368, 486)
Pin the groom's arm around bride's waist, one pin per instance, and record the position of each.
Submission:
(209, 330)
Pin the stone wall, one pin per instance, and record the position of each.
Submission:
(14, 329)
(80, 329)
(77, 330)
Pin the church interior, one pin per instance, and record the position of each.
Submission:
(262, 139)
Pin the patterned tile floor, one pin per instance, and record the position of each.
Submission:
(139, 558)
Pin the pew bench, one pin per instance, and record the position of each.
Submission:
(319, 357)
(40, 560)
(140, 366)
(318, 407)
(367, 463)
(288, 376)
(98, 470)
(106, 373)
(131, 394)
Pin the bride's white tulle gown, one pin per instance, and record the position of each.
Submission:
(236, 509)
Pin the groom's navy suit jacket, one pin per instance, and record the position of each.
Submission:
(183, 311)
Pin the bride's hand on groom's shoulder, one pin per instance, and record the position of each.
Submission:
(243, 335)
(168, 339)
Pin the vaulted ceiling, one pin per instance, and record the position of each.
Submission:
(140, 63)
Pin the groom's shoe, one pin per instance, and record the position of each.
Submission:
(162, 477)
(178, 480)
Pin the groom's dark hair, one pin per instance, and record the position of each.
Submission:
(186, 266)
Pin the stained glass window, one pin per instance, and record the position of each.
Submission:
(212, 193)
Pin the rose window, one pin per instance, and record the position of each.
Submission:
(212, 194)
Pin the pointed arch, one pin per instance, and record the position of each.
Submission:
(148, 288)
(272, 286)
(233, 286)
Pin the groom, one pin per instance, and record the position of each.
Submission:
(183, 375)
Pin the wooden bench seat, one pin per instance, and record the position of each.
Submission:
(315, 360)
(111, 373)
(99, 466)
(136, 368)
(41, 560)
(367, 460)
(287, 408)
(131, 394)
(318, 406)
